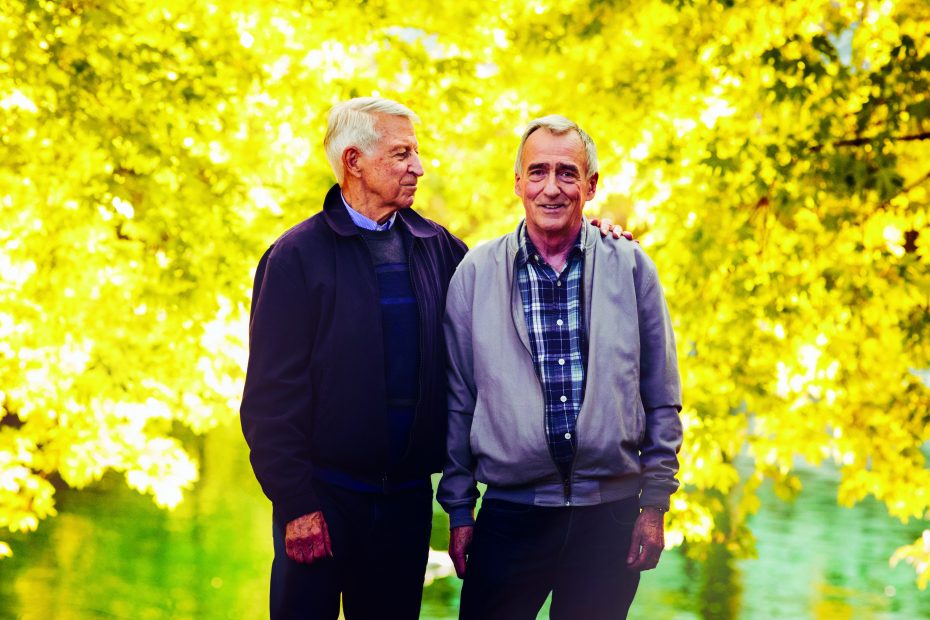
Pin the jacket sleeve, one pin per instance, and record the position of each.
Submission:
(457, 492)
(276, 402)
(660, 390)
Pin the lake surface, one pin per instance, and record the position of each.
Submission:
(112, 554)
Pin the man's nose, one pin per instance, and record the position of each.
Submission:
(416, 167)
(551, 188)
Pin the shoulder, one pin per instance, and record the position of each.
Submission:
(298, 242)
(447, 239)
(486, 253)
(628, 259)
(623, 252)
(305, 231)
(484, 266)
(433, 233)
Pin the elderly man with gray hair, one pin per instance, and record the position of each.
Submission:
(564, 400)
(344, 407)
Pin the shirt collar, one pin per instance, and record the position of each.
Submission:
(527, 249)
(365, 222)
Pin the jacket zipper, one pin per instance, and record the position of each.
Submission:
(566, 481)
(420, 327)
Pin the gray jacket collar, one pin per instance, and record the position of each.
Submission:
(589, 240)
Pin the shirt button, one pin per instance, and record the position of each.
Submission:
(561, 362)
(568, 435)
(559, 322)
(558, 283)
(563, 398)
(568, 503)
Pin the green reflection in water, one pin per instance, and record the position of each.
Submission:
(112, 554)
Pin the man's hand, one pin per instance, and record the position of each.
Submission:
(607, 227)
(459, 542)
(307, 538)
(648, 540)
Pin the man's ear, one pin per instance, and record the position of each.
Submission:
(350, 161)
(516, 186)
(591, 186)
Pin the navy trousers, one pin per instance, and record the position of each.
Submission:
(380, 547)
(520, 553)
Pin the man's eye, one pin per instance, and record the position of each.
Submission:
(537, 175)
(568, 175)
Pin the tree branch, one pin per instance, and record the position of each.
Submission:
(919, 181)
(904, 190)
(863, 141)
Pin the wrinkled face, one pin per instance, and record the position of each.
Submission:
(553, 183)
(390, 171)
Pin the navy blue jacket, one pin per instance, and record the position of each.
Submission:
(315, 393)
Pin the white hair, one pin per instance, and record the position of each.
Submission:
(559, 125)
(352, 123)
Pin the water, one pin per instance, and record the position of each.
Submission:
(112, 554)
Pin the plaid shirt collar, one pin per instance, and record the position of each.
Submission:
(528, 250)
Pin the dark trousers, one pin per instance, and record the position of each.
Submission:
(520, 553)
(380, 546)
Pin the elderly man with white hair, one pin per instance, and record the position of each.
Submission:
(344, 407)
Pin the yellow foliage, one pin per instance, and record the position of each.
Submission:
(772, 158)
(918, 556)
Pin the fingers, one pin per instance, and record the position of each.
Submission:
(632, 556)
(647, 542)
(604, 226)
(318, 550)
(307, 539)
(459, 542)
(649, 558)
(458, 561)
(645, 558)
(297, 551)
(309, 550)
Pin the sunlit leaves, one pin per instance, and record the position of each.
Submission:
(773, 159)
(918, 556)
(120, 228)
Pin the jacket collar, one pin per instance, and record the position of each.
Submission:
(515, 239)
(589, 240)
(334, 211)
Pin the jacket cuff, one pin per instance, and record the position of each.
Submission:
(289, 508)
(461, 517)
(657, 497)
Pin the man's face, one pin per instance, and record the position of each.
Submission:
(553, 183)
(390, 171)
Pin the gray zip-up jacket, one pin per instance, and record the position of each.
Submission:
(628, 430)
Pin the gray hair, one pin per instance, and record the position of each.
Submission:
(559, 125)
(352, 123)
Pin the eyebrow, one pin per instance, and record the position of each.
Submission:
(558, 167)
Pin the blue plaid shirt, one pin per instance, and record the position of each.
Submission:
(553, 308)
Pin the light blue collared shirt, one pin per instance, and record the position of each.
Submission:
(363, 221)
